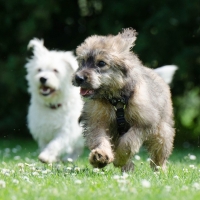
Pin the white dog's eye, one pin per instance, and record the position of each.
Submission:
(39, 70)
(55, 70)
(101, 64)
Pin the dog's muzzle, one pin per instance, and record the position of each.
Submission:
(43, 80)
(44, 89)
(85, 90)
(80, 80)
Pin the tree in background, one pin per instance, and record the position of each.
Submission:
(169, 33)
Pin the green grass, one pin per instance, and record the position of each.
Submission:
(22, 176)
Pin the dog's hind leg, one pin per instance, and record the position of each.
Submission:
(160, 146)
(128, 145)
(128, 167)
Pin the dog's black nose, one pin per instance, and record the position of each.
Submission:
(79, 79)
(43, 80)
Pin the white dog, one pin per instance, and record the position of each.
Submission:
(55, 104)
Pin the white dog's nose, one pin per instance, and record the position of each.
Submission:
(43, 80)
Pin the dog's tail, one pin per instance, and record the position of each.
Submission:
(166, 72)
(37, 45)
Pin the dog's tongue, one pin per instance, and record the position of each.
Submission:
(44, 88)
(85, 92)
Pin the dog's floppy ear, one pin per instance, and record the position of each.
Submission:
(70, 58)
(129, 36)
(38, 46)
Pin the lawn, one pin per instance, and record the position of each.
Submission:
(23, 177)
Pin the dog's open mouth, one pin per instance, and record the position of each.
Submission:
(45, 91)
(86, 92)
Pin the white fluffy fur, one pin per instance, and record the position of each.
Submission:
(56, 131)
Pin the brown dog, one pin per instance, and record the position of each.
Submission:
(127, 104)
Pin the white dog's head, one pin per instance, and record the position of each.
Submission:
(49, 72)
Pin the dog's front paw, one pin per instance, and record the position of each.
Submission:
(99, 158)
(47, 158)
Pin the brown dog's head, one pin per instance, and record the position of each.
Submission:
(103, 64)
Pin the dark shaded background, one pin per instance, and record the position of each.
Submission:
(169, 33)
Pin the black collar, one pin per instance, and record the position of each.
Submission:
(120, 105)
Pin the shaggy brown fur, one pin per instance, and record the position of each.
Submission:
(108, 69)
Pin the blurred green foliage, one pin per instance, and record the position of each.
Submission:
(169, 33)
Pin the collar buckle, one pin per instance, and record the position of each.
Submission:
(119, 105)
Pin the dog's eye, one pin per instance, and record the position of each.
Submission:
(39, 70)
(55, 70)
(101, 64)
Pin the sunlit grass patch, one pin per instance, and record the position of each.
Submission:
(22, 176)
